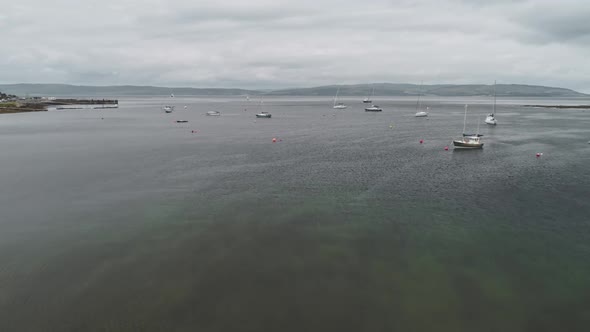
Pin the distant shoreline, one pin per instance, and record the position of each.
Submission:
(559, 106)
(43, 105)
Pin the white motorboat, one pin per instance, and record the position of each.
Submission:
(213, 113)
(168, 108)
(263, 115)
(373, 108)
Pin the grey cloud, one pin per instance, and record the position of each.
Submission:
(280, 43)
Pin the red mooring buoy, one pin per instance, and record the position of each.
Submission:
(446, 148)
(274, 140)
(421, 141)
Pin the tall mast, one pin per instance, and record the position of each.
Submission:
(465, 119)
(494, 97)
(478, 121)
(336, 97)
(419, 95)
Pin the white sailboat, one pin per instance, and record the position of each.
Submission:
(262, 114)
(338, 106)
(469, 141)
(491, 119)
(419, 113)
(368, 99)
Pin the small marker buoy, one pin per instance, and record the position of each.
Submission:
(421, 141)
(539, 154)
(274, 140)
(281, 140)
(446, 148)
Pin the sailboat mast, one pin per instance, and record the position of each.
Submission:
(478, 121)
(494, 97)
(419, 95)
(336, 97)
(465, 119)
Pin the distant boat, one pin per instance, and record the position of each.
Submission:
(168, 108)
(419, 113)
(181, 121)
(171, 95)
(491, 119)
(373, 108)
(469, 141)
(338, 106)
(368, 100)
(263, 115)
(213, 113)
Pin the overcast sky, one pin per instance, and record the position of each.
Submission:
(284, 43)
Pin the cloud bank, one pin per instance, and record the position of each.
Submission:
(280, 43)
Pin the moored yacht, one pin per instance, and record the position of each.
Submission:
(368, 100)
(491, 120)
(373, 108)
(168, 108)
(469, 141)
(263, 115)
(338, 106)
(419, 113)
(213, 113)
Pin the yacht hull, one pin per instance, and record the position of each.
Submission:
(464, 145)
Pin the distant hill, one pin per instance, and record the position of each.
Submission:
(392, 89)
(381, 89)
(114, 91)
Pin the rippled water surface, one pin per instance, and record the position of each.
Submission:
(123, 220)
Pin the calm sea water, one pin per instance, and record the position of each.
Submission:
(123, 220)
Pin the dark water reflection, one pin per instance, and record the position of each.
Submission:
(349, 223)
